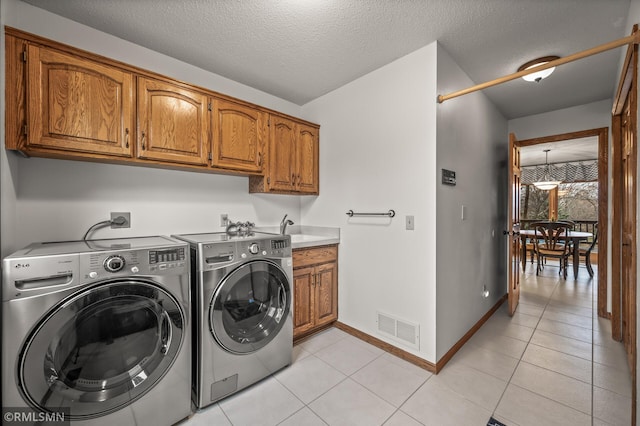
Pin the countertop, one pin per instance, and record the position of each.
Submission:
(309, 236)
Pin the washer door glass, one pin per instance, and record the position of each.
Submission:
(101, 349)
(250, 306)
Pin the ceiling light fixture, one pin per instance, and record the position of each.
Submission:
(538, 76)
(546, 183)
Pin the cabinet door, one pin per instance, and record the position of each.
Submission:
(307, 160)
(173, 123)
(326, 304)
(78, 105)
(282, 154)
(303, 311)
(239, 134)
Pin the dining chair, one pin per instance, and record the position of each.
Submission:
(585, 251)
(551, 242)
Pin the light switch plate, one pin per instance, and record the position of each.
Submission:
(409, 223)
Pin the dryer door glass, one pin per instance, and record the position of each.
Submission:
(250, 306)
(101, 349)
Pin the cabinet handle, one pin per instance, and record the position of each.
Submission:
(126, 137)
(293, 179)
(299, 180)
(260, 159)
(142, 140)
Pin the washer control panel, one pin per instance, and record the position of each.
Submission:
(156, 261)
(114, 263)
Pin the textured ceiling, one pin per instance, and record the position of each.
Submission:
(560, 152)
(301, 49)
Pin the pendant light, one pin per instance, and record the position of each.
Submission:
(546, 183)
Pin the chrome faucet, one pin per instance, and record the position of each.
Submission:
(283, 225)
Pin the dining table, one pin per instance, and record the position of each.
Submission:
(573, 236)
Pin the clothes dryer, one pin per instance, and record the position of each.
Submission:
(99, 330)
(243, 327)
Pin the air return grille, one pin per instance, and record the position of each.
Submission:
(400, 330)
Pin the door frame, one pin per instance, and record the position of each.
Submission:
(627, 91)
(603, 204)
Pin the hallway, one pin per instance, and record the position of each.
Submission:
(560, 362)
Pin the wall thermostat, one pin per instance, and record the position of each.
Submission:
(448, 177)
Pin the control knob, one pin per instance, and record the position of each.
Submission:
(254, 249)
(114, 263)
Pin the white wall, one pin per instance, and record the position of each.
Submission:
(584, 117)
(45, 200)
(378, 152)
(472, 141)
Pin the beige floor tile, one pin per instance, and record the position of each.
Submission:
(533, 299)
(555, 386)
(304, 417)
(265, 403)
(559, 306)
(351, 404)
(365, 345)
(530, 309)
(309, 378)
(611, 407)
(613, 379)
(436, 404)
(390, 380)
(211, 415)
(527, 408)
(347, 356)
(613, 356)
(476, 386)
(503, 326)
(323, 339)
(602, 337)
(299, 354)
(572, 366)
(567, 318)
(563, 344)
(566, 330)
(402, 419)
(498, 343)
(487, 361)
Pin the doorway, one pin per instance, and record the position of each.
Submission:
(603, 193)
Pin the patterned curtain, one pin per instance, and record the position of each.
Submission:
(579, 171)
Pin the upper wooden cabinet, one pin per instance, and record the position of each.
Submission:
(173, 123)
(74, 104)
(293, 158)
(63, 102)
(307, 159)
(239, 136)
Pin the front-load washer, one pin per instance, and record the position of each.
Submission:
(243, 327)
(99, 330)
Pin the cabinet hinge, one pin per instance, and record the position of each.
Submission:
(209, 107)
(24, 56)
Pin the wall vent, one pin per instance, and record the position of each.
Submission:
(400, 330)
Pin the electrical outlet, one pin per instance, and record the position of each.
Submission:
(409, 222)
(224, 219)
(116, 217)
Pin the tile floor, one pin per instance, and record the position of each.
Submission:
(550, 364)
